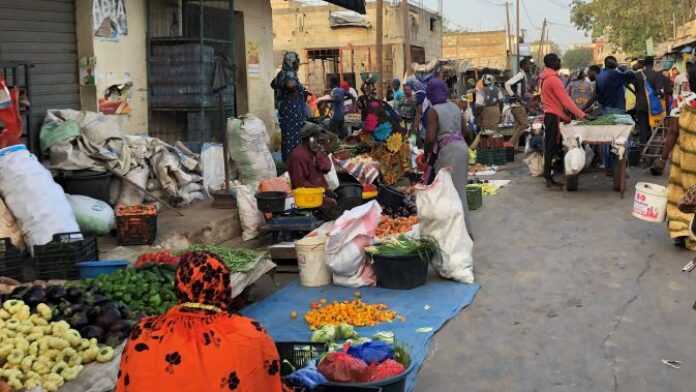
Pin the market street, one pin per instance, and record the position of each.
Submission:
(577, 295)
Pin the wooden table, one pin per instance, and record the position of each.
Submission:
(615, 136)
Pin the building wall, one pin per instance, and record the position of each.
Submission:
(128, 57)
(480, 49)
(298, 27)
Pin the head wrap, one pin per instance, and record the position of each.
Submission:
(309, 129)
(415, 84)
(437, 91)
(202, 278)
(345, 85)
(291, 62)
(396, 84)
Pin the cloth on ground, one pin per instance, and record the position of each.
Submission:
(444, 298)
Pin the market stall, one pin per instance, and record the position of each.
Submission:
(612, 131)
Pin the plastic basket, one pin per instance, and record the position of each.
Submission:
(58, 259)
(496, 156)
(272, 202)
(90, 183)
(12, 260)
(401, 273)
(298, 354)
(309, 197)
(136, 225)
(474, 197)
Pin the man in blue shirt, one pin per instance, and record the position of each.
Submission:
(338, 97)
(611, 87)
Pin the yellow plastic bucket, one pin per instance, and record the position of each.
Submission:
(650, 202)
(311, 261)
(309, 197)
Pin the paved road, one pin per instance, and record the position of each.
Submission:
(577, 296)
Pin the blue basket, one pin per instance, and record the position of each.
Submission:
(92, 269)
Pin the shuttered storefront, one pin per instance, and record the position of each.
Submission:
(42, 32)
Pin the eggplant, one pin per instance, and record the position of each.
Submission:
(91, 331)
(93, 313)
(74, 294)
(19, 292)
(121, 326)
(114, 339)
(79, 320)
(108, 316)
(55, 293)
(34, 296)
(72, 309)
(126, 313)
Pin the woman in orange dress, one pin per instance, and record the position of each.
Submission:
(199, 345)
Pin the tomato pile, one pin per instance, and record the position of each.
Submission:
(163, 257)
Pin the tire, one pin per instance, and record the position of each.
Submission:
(572, 183)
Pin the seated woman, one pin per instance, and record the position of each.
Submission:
(308, 163)
(199, 345)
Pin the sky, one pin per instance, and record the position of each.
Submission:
(476, 15)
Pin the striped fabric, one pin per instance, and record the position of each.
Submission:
(682, 176)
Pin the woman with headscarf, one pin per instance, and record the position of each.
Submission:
(421, 103)
(290, 101)
(199, 345)
(444, 138)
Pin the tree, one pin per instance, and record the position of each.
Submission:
(577, 58)
(629, 23)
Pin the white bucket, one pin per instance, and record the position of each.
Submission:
(650, 202)
(311, 260)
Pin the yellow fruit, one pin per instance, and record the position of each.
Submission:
(293, 315)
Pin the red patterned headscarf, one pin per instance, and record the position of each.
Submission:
(202, 278)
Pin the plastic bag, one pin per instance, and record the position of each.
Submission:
(574, 159)
(94, 216)
(9, 228)
(387, 369)
(36, 201)
(332, 177)
(249, 215)
(535, 162)
(589, 156)
(248, 141)
(372, 352)
(441, 217)
(213, 167)
(341, 367)
(364, 277)
(352, 232)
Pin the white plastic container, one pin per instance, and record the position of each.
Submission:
(650, 202)
(311, 260)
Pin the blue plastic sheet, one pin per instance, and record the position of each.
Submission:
(443, 300)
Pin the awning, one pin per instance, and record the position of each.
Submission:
(353, 5)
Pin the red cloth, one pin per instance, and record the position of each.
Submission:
(554, 97)
(12, 133)
(341, 367)
(307, 169)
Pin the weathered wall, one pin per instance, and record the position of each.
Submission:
(116, 61)
(298, 28)
(481, 49)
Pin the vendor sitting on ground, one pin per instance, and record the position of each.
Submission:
(200, 345)
(308, 163)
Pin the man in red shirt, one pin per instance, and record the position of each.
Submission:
(308, 163)
(556, 104)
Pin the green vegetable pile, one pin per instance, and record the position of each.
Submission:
(237, 260)
(146, 291)
(606, 119)
(403, 246)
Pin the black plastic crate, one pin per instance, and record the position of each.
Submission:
(12, 260)
(495, 156)
(298, 354)
(58, 259)
(136, 228)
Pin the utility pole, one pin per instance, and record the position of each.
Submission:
(541, 41)
(517, 40)
(508, 44)
(407, 36)
(380, 47)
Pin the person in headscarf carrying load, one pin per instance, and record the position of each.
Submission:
(290, 102)
(200, 344)
(445, 144)
(488, 103)
(517, 89)
(556, 102)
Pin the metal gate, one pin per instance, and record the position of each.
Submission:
(42, 33)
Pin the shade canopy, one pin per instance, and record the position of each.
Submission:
(353, 5)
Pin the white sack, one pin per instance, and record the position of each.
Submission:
(9, 227)
(332, 177)
(250, 216)
(130, 194)
(213, 167)
(248, 148)
(36, 201)
(441, 216)
(94, 216)
(574, 159)
(352, 232)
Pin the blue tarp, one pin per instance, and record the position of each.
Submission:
(444, 300)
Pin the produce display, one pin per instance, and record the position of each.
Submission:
(608, 119)
(354, 312)
(163, 257)
(39, 352)
(389, 227)
(237, 260)
(402, 246)
(147, 291)
(87, 310)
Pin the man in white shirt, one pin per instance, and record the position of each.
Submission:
(516, 88)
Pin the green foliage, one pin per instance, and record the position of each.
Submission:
(629, 23)
(577, 58)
